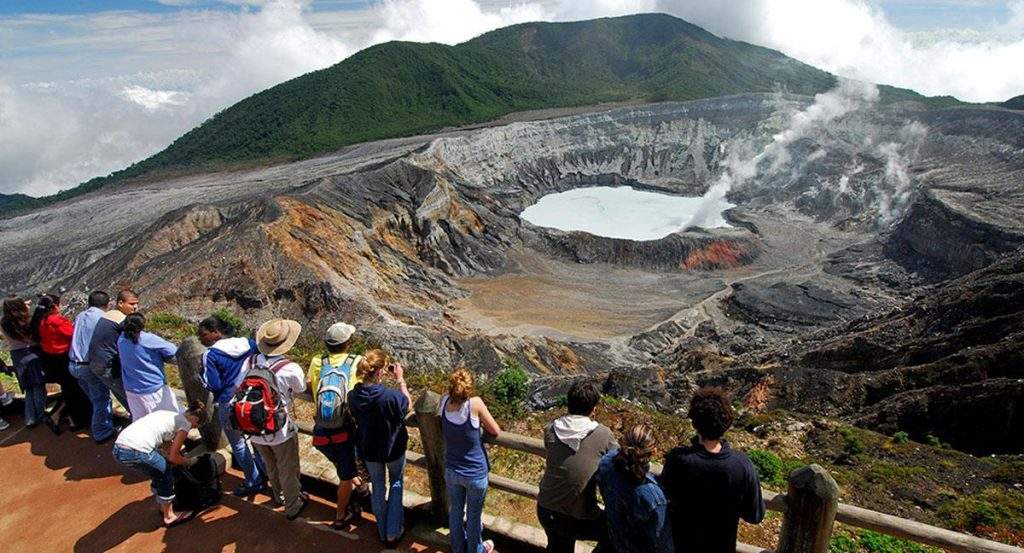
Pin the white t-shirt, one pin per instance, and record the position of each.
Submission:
(458, 417)
(147, 433)
(290, 380)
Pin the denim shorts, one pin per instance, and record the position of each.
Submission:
(343, 456)
(153, 465)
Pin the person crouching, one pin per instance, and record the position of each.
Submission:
(138, 445)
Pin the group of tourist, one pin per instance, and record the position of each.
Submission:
(362, 402)
(694, 505)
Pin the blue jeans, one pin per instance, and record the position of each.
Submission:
(247, 459)
(154, 466)
(466, 502)
(387, 499)
(99, 396)
(35, 404)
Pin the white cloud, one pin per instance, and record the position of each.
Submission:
(87, 95)
(153, 100)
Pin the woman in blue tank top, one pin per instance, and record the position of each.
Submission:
(466, 465)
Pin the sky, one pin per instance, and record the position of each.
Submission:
(89, 87)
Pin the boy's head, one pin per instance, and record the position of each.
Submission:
(582, 398)
(711, 412)
(212, 329)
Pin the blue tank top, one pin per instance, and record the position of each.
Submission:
(465, 453)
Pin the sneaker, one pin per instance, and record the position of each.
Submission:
(6, 399)
(4, 425)
(305, 501)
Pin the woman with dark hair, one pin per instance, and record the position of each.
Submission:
(143, 355)
(466, 467)
(17, 333)
(138, 447)
(53, 332)
(634, 505)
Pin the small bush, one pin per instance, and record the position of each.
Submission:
(510, 387)
(174, 328)
(841, 543)
(852, 445)
(873, 542)
(227, 316)
(900, 437)
(768, 465)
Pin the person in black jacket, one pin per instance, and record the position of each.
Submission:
(709, 485)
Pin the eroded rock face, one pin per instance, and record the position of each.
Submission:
(792, 307)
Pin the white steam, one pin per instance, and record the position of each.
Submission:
(892, 193)
(828, 106)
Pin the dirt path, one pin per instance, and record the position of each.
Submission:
(64, 493)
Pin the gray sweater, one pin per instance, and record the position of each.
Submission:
(568, 485)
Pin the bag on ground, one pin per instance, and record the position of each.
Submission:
(197, 487)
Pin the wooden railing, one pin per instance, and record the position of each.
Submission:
(810, 507)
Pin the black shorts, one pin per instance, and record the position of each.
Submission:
(343, 456)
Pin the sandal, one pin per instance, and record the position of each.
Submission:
(343, 523)
(182, 517)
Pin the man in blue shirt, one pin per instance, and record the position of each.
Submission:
(78, 365)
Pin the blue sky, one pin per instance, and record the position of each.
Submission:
(89, 87)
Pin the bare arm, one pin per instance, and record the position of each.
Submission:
(174, 454)
(487, 422)
(400, 379)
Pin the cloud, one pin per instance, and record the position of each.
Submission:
(153, 100)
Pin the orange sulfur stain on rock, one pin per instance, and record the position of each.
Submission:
(719, 254)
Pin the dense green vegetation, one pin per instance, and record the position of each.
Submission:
(1017, 102)
(402, 89)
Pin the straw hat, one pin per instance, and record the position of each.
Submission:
(277, 336)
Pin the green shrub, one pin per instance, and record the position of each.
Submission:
(873, 542)
(933, 440)
(900, 437)
(768, 465)
(509, 388)
(994, 506)
(227, 316)
(841, 543)
(852, 445)
(170, 326)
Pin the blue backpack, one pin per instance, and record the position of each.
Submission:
(332, 410)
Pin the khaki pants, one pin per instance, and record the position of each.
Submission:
(282, 462)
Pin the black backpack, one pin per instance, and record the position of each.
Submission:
(197, 487)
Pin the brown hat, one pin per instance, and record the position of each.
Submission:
(277, 336)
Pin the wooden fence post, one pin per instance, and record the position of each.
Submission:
(431, 435)
(190, 366)
(811, 504)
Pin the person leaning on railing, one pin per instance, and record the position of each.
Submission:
(634, 504)
(709, 485)
(567, 504)
(466, 467)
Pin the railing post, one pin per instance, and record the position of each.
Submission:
(190, 367)
(429, 423)
(811, 504)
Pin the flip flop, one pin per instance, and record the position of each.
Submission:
(182, 517)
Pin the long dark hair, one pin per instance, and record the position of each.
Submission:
(45, 305)
(16, 319)
(635, 451)
(134, 324)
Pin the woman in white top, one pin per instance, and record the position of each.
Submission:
(138, 447)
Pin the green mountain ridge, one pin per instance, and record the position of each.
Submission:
(403, 89)
(1017, 102)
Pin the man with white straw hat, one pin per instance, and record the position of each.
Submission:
(280, 449)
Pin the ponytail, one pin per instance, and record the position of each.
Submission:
(134, 324)
(44, 306)
(198, 410)
(633, 460)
